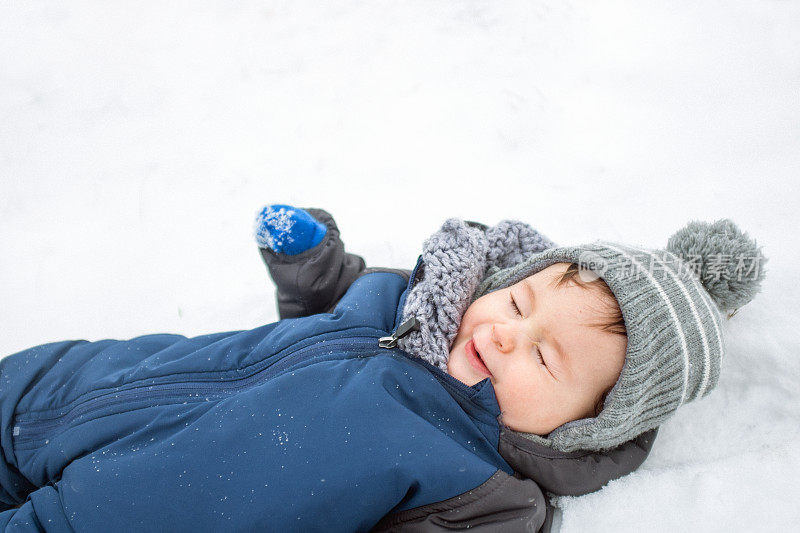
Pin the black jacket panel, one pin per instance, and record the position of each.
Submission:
(503, 503)
(575, 473)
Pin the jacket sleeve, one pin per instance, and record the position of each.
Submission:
(504, 503)
(26, 504)
(43, 511)
(313, 281)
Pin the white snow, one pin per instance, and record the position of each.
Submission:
(273, 226)
(137, 142)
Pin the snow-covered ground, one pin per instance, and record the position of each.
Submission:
(138, 142)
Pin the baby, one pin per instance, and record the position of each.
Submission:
(549, 327)
(450, 397)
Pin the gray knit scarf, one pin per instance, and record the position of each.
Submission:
(456, 259)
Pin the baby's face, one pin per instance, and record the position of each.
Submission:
(578, 362)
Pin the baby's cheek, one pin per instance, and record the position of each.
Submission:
(528, 404)
(510, 404)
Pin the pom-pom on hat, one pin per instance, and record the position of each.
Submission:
(730, 284)
(672, 302)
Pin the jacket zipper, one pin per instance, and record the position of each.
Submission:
(31, 430)
(412, 324)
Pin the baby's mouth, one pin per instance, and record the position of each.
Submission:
(475, 359)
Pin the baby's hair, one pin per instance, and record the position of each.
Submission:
(613, 321)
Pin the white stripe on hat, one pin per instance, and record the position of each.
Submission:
(690, 301)
(672, 313)
(706, 298)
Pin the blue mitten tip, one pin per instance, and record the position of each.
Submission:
(288, 230)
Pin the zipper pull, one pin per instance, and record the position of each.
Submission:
(412, 324)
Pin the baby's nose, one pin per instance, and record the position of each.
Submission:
(503, 337)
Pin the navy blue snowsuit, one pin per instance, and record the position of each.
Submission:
(304, 424)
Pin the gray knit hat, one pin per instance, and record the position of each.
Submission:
(672, 302)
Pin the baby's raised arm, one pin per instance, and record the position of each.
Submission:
(306, 259)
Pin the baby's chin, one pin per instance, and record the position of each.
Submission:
(453, 357)
(450, 363)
